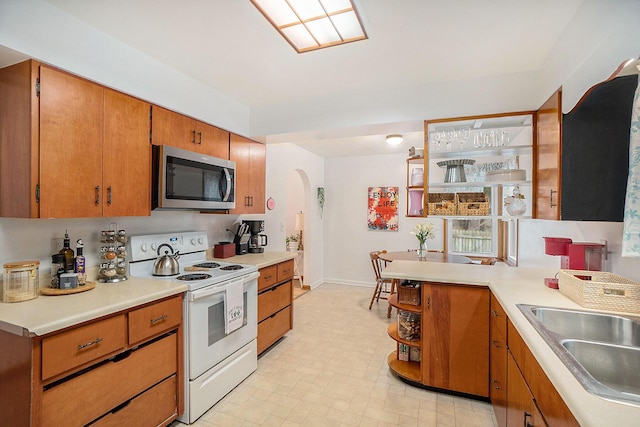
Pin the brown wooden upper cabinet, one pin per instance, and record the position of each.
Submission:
(177, 130)
(72, 148)
(250, 158)
(548, 150)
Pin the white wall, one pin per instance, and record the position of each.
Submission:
(282, 161)
(348, 240)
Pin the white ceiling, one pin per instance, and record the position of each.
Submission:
(228, 45)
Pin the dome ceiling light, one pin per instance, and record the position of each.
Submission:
(394, 139)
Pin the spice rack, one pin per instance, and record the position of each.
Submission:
(113, 266)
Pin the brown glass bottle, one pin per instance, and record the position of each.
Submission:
(69, 259)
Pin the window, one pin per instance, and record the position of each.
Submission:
(473, 237)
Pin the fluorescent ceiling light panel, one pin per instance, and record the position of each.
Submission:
(313, 24)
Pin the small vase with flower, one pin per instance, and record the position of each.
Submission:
(423, 231)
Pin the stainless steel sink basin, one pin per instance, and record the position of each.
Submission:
(601, 350)
(590, 326)
(614, 366)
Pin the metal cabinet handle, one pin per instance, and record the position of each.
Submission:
(428, 302)
(496, 384)
(551, 204)
(525, 421)
(97, 195)
(158, 319)
(109, 195)
(89, 344)
(496, 344)
(200, 138)
(494, 313)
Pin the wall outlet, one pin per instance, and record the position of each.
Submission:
(57, 243)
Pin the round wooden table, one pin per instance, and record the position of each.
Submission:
(431, 257)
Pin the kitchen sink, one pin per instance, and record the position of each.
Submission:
(590, 326)
(601, 350)
(614, 366)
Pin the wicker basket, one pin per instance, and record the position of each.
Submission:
(441, 204)
(409, 294)
(600, 290)
(473, 204)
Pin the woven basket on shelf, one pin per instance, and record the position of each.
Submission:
(600, 290)
(441, 204)
(409, 294)
(473, 204)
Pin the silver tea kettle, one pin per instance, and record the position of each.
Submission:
(166, 265)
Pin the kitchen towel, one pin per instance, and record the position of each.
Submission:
(631, 227)
(233, 306)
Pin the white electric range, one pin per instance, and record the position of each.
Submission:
(216, 361)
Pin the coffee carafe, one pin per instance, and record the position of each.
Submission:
(257, 241)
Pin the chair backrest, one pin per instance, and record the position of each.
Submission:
(377, 263)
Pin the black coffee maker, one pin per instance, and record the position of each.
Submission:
(257, 241)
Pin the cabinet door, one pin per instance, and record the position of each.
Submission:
(498, 375)
(456, 338)
(548, 150)
(127, 156)
(19, 140)
(70, 146)
(521, 408)
(171, 128)
(250, 174)
(257, 177)
(212, 141)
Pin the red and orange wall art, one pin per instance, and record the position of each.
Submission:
(383, 209)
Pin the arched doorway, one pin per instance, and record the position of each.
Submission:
(296, 223)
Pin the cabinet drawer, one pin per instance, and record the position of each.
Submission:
(110, 384)
(273, 300)
(268, 277)
(152, 408)
(272, 328)
(78, 346)
(285, 270)
(498, 316)
(154, 319)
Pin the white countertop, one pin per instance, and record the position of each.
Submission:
(47, 314)
(262, 260)
(513, 286)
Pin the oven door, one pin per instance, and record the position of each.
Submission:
(206, 341)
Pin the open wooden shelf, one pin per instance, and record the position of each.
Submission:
(408, 370)
(392, 330)
(393, 300)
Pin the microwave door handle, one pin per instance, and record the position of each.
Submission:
(227, 177)
(206, 292)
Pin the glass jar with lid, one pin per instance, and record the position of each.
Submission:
(20, 281)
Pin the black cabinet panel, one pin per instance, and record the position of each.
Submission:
(595, 152)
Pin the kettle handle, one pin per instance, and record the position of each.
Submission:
(167, 245)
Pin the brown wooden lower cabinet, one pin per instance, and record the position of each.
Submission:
(275, 303)
(520, 391)
(521, 408)
(91, 373)
(454, 346)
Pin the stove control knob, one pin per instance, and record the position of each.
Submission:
(154, 247)
(200, 240)
(193, 242)
(143, 248)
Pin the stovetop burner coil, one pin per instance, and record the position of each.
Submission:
(207, 265)
(232, 267)
(194, 276)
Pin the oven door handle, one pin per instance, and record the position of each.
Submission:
(202, 293)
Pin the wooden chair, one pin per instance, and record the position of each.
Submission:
(488, 261)
(381, 290)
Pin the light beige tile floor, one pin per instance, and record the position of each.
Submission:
(331, 370)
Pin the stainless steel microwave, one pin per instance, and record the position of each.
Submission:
(184, 179)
